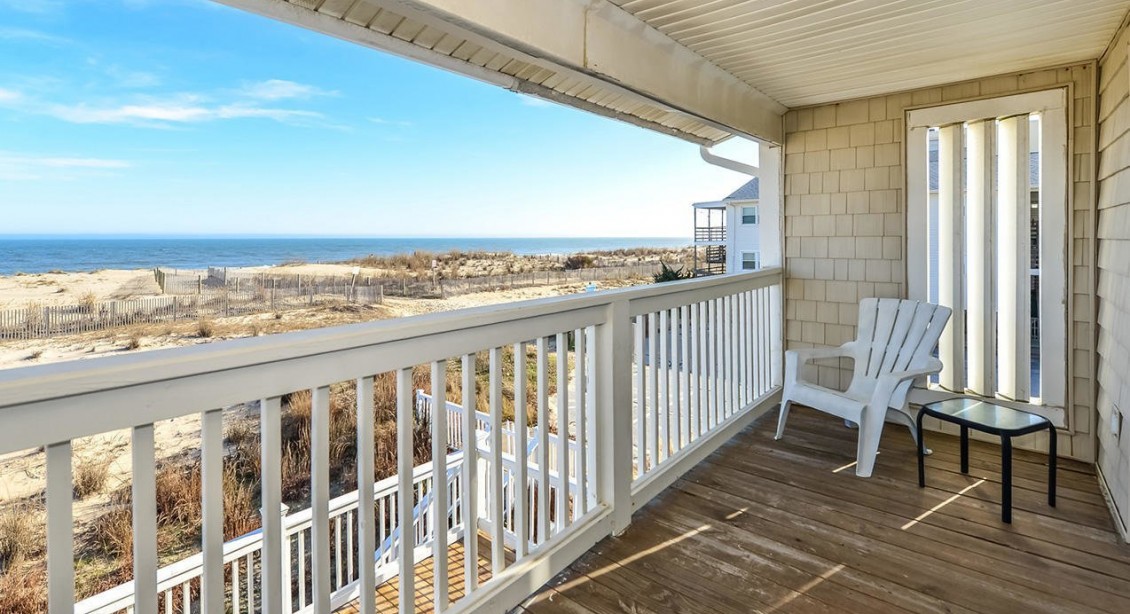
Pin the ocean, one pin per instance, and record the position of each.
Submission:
(40, 254)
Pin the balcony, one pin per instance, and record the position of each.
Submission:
(646, 382)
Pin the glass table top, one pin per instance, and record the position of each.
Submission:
(987, 414)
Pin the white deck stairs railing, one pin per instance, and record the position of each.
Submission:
(650, 380)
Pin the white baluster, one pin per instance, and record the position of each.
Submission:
(404, 462)
(320, 498)
(60, 530)
(470, 485)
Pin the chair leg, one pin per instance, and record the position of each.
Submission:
(910, 426)
(870, 431)
(784, 415)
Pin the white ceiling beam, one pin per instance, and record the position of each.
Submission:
(599, 40)
(590, 40)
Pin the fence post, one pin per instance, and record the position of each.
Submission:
(614, 413)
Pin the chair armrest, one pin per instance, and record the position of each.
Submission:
(803, 355)
(896, 377)
(795, 358)
(889, 383)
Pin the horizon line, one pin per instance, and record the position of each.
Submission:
(32, 235)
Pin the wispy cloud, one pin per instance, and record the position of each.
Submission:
(280, 89)
(19, 167)
(163, 111)
(34, 36)
(390, 122)
(174, 112)
(38, 7)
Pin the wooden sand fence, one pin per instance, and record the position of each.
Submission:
(189, 298)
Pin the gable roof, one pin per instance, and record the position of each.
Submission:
(751, 190)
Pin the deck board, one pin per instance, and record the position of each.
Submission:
(772, 526)
(388, 594)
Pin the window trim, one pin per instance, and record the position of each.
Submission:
(1052, 105)
(756, 215)
(756, 260)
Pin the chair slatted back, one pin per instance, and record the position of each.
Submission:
(896, 335)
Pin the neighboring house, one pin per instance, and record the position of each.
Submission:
(727, 233)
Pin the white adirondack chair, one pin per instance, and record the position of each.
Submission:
(894, 343)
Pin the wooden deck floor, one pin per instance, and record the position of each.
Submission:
(388, 594)
(787, 527)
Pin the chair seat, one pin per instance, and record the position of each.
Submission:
(830, 401)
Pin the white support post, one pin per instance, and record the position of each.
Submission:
(212, 503)
(951, 225)
(1013, 289)
(60, 530)
(366, 515)
(980, 302)
(320, 498)
(613, 354)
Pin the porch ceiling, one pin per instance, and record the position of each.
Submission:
(567, 52)
(704, 70)
(804, 52)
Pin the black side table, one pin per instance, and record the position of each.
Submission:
(988, 417)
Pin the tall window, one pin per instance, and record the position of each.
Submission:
(751, 261)
(749, 215)
(986, 236)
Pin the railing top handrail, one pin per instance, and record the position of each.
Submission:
(53, 387)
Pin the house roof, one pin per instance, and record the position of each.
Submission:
(1033, 169)
(750, 190)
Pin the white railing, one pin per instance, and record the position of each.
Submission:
(178, 584)
(709, 349)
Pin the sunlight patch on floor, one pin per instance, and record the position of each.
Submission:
(807, 587)
(939, 506)
(631, 559)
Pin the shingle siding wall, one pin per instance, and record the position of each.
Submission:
(845, 223)
(1114, 271)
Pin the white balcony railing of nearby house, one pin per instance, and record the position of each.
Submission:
(650, 380)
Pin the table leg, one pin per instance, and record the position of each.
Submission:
(1006, 478)
(964, 449)
(1052, 456)
(921, 451)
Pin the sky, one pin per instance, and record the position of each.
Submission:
(189, 117)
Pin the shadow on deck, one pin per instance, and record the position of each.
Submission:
(786, 526)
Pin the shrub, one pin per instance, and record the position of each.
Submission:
(24, 591)
(205, 328)
(90, 477)
(134, 340)
(667, 273)
(579, 261)
(89, 302)
(18, 537)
